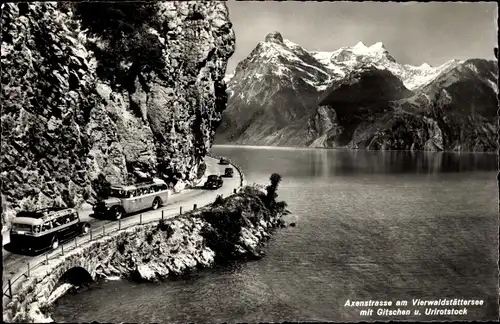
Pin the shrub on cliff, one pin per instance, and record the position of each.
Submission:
(224, 231)
(219, 201)
(164, 226)
(101, 186)
(248, 208)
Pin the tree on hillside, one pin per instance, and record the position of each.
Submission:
(272, 189)
(101, 186)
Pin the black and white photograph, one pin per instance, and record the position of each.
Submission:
(249, 161)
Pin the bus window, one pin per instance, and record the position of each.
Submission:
(131, 193)
(74, 216)
(36, 229)
(63, 219)
(21, 227)
(46, 226)
(57, 222)
(118, 193)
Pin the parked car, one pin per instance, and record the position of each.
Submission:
(224, 161)
(46, 228)
(228, 172)
(213, 182)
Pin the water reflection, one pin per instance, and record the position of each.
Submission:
(371, 225)
(328, 163)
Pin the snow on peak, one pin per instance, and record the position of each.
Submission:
(274, 36)
(290, 44)
(375, 51)
(280, 56)
(360, 45)
(378, 45)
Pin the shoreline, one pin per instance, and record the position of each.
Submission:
(290, 148)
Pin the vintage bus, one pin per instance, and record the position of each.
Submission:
(46, 228)
(130, 199)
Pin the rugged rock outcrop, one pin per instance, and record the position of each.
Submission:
(155, 251)
(107, 88)
(358, 97)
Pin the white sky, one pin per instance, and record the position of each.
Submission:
(413, 33)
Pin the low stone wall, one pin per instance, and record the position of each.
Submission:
(148, 252)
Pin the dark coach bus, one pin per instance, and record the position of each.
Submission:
(46, 228)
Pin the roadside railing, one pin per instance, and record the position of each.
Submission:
(96, 233)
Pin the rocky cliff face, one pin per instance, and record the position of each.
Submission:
(107, 88)
(358, 97)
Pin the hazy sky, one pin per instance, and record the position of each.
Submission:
(413, 33)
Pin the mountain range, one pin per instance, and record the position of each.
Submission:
(358, 97)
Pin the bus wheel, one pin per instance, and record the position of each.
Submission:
(156, 203)
(55, 243)
(118, 213)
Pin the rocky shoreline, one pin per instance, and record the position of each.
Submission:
(236, 228)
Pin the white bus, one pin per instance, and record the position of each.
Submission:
(130, 199)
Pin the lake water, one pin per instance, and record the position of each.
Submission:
(370, 225)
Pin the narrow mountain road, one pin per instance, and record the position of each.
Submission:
(15, 264)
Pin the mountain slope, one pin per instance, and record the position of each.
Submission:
(456, 111)
(281, 76)
(282, 94)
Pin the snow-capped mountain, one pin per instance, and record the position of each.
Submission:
(349, 58)
(286, 78)
(283, 94)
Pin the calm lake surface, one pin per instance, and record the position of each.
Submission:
(370, 225)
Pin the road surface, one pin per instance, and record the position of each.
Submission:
(14, 264)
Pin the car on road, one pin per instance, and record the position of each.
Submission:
(228, 172)
(46, 228)
(223, 161)
(213, 182)
(124, 200)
